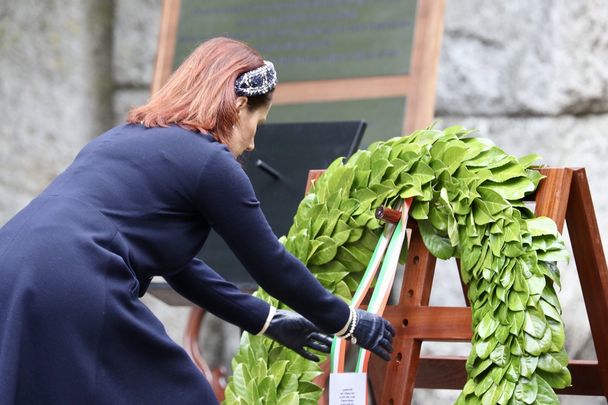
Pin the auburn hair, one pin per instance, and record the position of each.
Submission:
(200, 94)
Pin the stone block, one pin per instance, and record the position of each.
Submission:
(523, 58)
(136, 28)
(53, 89)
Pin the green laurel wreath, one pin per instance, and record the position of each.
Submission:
(468, 203)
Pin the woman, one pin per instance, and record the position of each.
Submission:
(139, 202)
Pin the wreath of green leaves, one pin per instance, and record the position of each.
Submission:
(468, 203)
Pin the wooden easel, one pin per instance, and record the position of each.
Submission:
(563, 196)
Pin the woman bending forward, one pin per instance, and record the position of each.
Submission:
(137, 202)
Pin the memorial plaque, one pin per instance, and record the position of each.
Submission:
(308, 39)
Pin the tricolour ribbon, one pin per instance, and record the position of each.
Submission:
(387, 252)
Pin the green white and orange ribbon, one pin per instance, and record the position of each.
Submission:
(387, 252)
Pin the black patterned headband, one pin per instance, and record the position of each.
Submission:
(257, 81)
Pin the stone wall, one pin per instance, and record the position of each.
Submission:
(532, 76)
(55, 90)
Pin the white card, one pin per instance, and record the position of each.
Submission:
(347, 388)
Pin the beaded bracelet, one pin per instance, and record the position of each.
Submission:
(351, 330)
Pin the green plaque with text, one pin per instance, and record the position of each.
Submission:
(308, 39)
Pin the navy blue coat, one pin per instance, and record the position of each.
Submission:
(136, 202)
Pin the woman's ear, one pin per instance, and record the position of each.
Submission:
(241, 102)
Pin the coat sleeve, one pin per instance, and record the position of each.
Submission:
(226, 199)
(204, 287)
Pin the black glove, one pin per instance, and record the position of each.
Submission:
(296, 332)
(373, 333)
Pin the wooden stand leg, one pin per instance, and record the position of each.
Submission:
(217, 377)
(416, 291)
(591, 267)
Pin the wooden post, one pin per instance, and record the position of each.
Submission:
(167, 37)
(591, 267)
(428, 33)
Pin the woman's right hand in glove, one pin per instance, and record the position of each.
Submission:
(373, 333)
(297, 333)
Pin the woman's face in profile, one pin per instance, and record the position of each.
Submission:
(243, 134)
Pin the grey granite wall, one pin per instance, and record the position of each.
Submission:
(136, 28)
(55, 90)
(532, 76)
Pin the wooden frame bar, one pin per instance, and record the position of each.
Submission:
(167, 37)
(420, 107)
(591, 267)
(449, 323)
(436, 372)
(342, 89)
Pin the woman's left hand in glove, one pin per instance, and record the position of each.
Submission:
(373, 333)
(297, 333)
